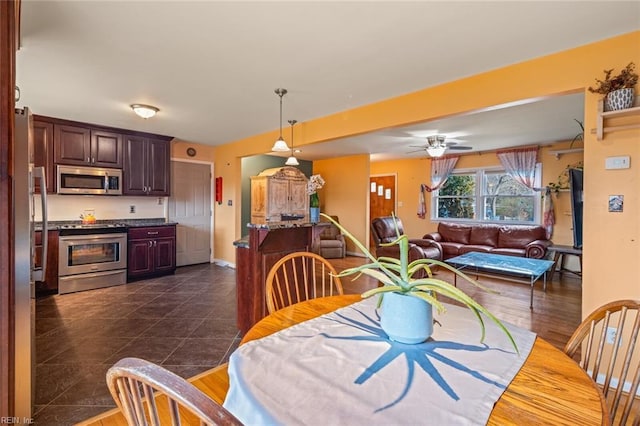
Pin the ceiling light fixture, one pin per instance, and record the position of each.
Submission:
(292, 160)
(280, 145)
(436, 147)
(144, 111)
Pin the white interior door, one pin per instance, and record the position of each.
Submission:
(190, 206)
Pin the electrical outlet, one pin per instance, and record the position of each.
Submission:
(132, 209)
(611, 335)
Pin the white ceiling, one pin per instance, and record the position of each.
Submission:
(212, 67)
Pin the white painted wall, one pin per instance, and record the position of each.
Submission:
(69, 207)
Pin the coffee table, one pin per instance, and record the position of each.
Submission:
(506, 267)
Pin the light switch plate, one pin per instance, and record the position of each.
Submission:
(622, 162)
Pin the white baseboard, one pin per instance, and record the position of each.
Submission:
(614, 383)
(221, 262)
(356, 254)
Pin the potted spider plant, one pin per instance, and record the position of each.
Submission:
(401, 296)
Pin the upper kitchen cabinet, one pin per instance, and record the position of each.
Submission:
(83, 146)
(43, 153)
(147, 168)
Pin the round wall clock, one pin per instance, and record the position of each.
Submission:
(191, 152)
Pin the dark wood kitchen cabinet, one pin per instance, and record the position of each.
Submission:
(84, 146)
(43, 153)
(147, 166)
(50, 283)
(151, 251)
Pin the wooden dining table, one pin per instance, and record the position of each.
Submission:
(550, 388)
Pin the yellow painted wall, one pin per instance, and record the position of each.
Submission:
(345, 193)
(203, 152)
(609, 240)
(412, 172)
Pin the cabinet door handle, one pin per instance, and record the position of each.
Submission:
(88, 159)
(150, 243)
(93, 160)
(152, 233)
(155, 243)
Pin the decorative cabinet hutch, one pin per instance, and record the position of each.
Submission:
(279, 194)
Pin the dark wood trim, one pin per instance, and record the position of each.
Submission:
(100, 127)
(8, 44)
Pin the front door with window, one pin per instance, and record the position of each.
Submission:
(382, 198)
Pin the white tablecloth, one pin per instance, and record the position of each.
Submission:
(340, 369)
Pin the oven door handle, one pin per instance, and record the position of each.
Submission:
(82, 239)
(41, 273)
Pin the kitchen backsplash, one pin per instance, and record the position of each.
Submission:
(70, 207)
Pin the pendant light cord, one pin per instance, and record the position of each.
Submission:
(281, 93)
(292, 122)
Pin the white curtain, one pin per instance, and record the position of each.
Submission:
(441, 168)
(520, 164)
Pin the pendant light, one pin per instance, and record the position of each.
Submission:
(292, 160)
(280, 145)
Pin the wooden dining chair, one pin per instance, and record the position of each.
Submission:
(607, 339)
(300, 276)
(132, 383)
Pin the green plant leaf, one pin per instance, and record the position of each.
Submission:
(396, 276)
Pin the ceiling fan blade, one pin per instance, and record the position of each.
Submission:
(417, 150)
(459, 148)
(418, 146)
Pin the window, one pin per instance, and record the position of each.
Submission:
(486, 195)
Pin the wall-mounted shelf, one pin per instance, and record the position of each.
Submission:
(559, 152)
(602, 126)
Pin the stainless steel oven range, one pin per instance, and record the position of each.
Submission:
(92, 256)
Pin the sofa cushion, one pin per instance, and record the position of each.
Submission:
(484, 235)
(519, 236)
(450, 249)
(454, 233)
(329, 232)
(475, 247)
(509, 251)
(384, 229)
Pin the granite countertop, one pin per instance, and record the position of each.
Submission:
(284, 225)
(242, 242)
(130, 223)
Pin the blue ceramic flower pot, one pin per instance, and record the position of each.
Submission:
(406, 319)
(314, 214)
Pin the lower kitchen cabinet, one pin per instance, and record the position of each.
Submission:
(50, 283)
(151, 251)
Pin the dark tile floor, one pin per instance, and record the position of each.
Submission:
(185, 322)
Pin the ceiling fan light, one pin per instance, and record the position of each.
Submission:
(280, 146)
(144, 111)
(292, 161)
(436, 151)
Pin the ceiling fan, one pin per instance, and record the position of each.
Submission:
(436, 146)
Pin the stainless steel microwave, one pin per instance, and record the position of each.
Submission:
(89, 180)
